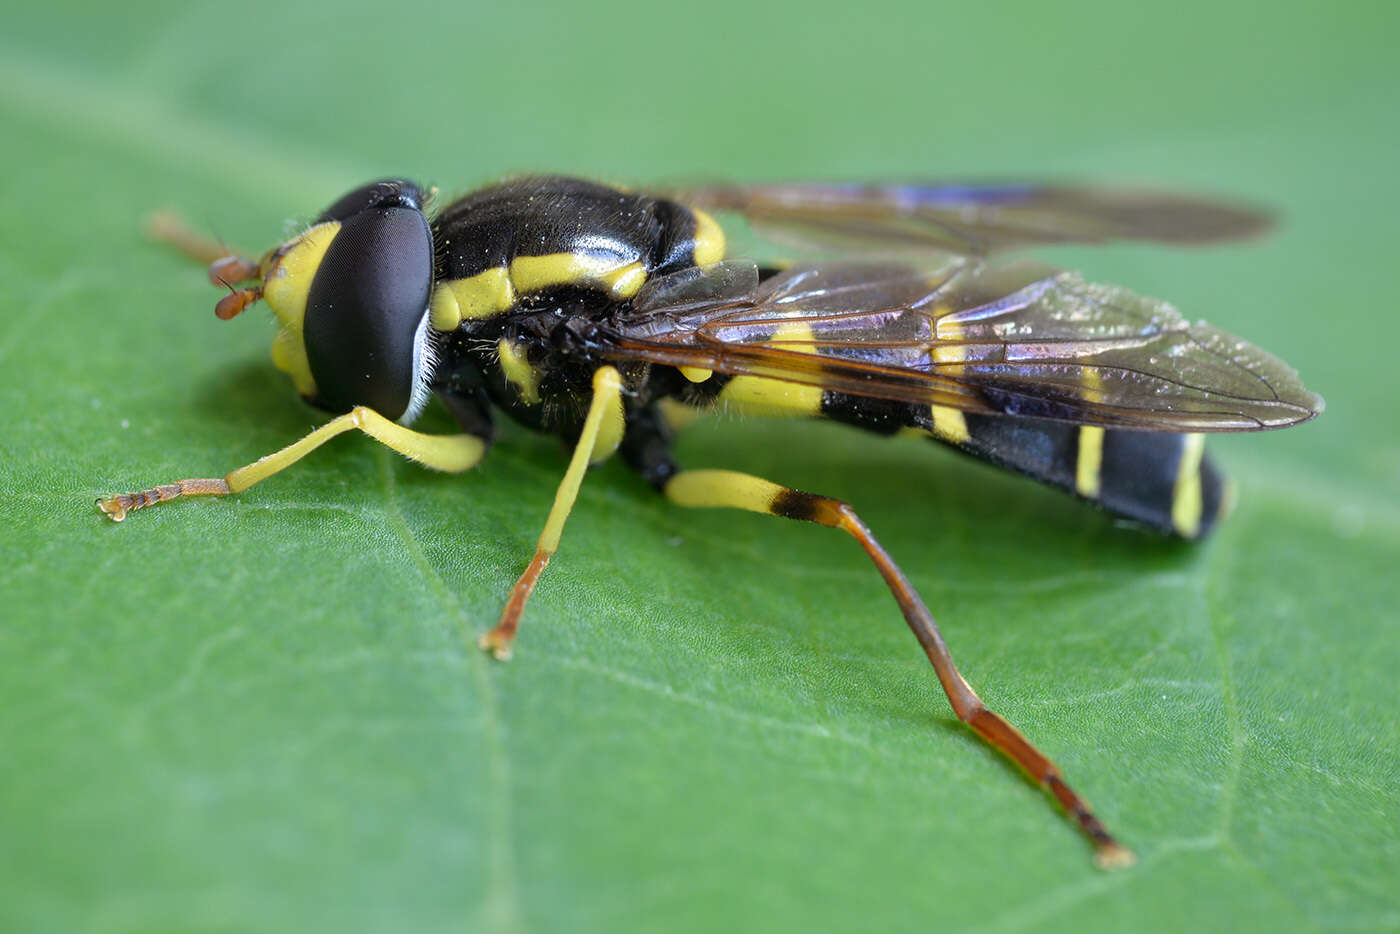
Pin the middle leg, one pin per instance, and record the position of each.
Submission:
(606, 405)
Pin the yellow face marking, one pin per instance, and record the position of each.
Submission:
(532, 273)
(289, 356)
(289, 282)
(1088, 467)
(757, 395)
(696, 374)
(1186, 493)
(723, 488)
(285, 291)
(709, 239)
(949, 424)
(480, 296)
(518, 372)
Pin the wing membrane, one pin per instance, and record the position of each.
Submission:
(1015, 339)
(974, 220)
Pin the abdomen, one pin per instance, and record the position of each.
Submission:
(1159, 480)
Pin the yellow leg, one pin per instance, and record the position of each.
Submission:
(451, 453)
(741, 491)
(607, 396)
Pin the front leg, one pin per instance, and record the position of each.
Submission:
(451, 453)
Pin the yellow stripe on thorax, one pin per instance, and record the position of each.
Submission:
(1186, 492)
(480, 296)
(757, 395)
(532, 273)
(495, 290)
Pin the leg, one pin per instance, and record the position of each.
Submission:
(607, 403)
(452, 453)
(726, 488)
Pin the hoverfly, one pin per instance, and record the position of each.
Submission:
(596, 313)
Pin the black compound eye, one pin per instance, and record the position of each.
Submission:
(385, 193)
(365, 306)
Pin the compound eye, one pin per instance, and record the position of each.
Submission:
(385, 193)
(365, 308)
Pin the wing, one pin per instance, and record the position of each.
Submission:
(974, 220)
(1012, 339)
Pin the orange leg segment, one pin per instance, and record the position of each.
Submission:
(726, 488)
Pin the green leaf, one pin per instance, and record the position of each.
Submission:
(267, 713)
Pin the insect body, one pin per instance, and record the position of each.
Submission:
(596, 314)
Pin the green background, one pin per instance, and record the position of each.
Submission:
(267, 714)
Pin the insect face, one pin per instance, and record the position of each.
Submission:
(351, 294)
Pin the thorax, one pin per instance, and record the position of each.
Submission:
(525, 270)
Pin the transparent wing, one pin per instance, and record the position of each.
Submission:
(974, 220)
(1014, 339)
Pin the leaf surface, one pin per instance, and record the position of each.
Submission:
(267, 713)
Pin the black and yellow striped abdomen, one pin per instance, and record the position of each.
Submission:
(1160, 480)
